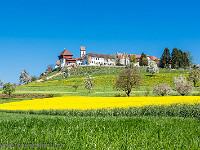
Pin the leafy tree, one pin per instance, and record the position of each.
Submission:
(143, 61)
(8, 89)
(165, 59)
(24, 77)
(133, 59)
(153, 68)
(194, 76)
(182, 86)
(89, 83)
(128, 79)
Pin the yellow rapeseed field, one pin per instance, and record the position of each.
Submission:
(82, 103)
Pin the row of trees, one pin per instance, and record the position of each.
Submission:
(177, 59)
(130, 78)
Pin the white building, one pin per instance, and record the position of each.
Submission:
(93, 59)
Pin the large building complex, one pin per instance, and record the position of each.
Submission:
(93, 59)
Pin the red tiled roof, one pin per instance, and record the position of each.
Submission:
(121, 55)
(57, 62)
(65, 52)
(154, 58)
(99, 55)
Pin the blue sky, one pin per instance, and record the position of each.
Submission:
(34, 33)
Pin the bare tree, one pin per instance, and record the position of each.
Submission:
(128, 79)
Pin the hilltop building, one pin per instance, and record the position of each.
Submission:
(93, 59)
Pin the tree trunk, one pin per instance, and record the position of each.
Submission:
(194, 83)
(128, 93)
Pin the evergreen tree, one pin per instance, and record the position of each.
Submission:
(142, 61)
(180, 58)
(165, 59)
(174, 57)
(186, 61)
(190, 58)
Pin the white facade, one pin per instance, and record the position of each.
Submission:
(98, 61)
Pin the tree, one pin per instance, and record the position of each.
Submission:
(194, 76)
(24, 77)
(65, 71)
(190, 58)
(165, 59)
(128, 79)
(89, 83)
(75, 86)
(117, 59)
(125, 58)
(1, 83)
(186, 61)
(49, 68)
(133, 59)
(8, 89)
(153, 68)
(162, 89)
(174, 57)
(182, 86)
(143, 61)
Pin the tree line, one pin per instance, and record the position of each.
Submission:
(177, 59)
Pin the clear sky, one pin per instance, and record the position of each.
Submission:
(34, 32)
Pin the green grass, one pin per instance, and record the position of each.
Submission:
(101, 132)
(174, 110)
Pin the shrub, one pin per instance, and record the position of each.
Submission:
(49, 95)
(75, 86)
(161, 89)
(182, 86)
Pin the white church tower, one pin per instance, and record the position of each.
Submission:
(83, 51)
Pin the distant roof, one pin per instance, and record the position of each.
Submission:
(99, 55)
(121, 55)
(154, 58)
(80, 58)
(57, 62)
(65, 52)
